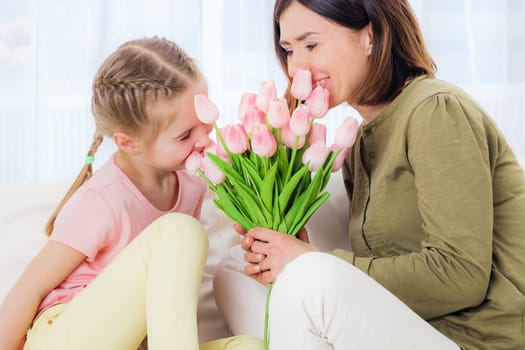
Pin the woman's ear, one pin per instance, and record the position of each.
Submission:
(368, 38)
(126, 142)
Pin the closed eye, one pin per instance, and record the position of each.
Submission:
(311, 46)
(184, 136)
(287, 52)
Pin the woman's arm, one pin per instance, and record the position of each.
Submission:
(48, 269)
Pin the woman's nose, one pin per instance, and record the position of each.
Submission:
(296, 61)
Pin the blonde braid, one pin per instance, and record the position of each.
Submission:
(85, 173)
(138, 75)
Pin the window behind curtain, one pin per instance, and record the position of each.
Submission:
(49, 52)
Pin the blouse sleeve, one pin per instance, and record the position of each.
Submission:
(448, 149)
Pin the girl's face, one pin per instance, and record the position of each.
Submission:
(336, 55)
(184, 134)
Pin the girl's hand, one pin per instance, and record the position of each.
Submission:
(268, 252)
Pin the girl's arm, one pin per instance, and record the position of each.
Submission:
(47, 270)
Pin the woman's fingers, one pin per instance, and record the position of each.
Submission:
(239, 229)
(246, 243)
(253, 258)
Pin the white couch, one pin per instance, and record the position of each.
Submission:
(26, 206)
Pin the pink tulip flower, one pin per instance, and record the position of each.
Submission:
(315, 155)
(340, 159)
(300, 120)
(206, 110)
(317, 133)
(278, 113)
(235, 138)
(252, 118)
(262, 141)
(346, 133)
(267, 92)
(289, 138)
(301, 84)
(318, 102)
(214, 149)
(193, 162)
(212, 171)
(247, 101)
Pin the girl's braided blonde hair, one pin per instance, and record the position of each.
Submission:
(139, 74)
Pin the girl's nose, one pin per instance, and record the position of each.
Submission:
(203, 139)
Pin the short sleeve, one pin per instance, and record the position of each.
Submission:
(85, 223)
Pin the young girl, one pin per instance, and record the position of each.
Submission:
(125, 253)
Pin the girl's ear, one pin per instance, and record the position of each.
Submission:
(126, 142)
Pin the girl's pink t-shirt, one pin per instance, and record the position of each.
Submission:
(103, 216)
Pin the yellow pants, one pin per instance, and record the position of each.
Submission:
(150, 287)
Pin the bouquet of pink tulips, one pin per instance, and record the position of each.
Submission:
(271, 169)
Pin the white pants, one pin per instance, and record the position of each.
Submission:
(321, 302)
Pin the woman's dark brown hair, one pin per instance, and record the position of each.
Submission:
(398, 54)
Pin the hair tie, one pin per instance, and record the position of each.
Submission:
(90, 159)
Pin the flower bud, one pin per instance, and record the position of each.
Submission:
(262, 141)
(317, 133)
(235, 138)
(193, 162)
(318, 102)
(301, 84)
(247, 101)
(205, 109)
(252, 118)
(267, 92)
(278, 113)
(346, 133)
(212, 171)
(315, 155)
(289, 138)
(300, 120)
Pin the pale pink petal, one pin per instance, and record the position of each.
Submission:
(205, 109)
(278, 113)
(247, 101)
(317, 133)
(318, 101)
(262, 141)
(315, 155)
(193, 162)
(301, 84)
(300, 120)
(267, 92)
(235, 138)
(340, 159)
(289, 138)
(252, 118)
(346, 133)
(212, 171)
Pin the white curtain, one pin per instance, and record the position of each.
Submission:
(50, 50)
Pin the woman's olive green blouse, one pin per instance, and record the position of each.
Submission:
(437, 214)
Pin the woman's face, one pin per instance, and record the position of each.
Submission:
(336, 55)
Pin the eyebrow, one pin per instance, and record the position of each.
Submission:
(299, 38)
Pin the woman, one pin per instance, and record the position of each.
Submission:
(436, 200)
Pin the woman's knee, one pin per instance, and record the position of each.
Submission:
(316, 273)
